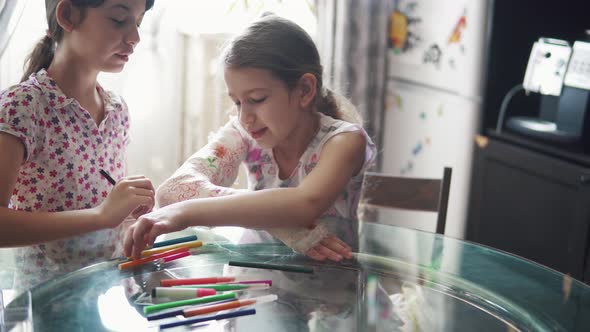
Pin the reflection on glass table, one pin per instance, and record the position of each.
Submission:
(399, 280)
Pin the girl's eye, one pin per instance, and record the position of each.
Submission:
(117, 22)
(257, 101)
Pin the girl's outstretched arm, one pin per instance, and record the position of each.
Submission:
(342, 157)
(20, 228)
(209, 172)
(213, 169)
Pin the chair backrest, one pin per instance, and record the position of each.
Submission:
(380, 190)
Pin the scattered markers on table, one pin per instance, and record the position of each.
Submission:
(206, 299)
(165, 256)
(191, 244)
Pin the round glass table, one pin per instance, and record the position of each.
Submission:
(399, 280)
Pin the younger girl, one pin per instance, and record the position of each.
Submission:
(304, 152)
(58, 129)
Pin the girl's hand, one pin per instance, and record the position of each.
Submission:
(131, 194)
(332, 248)
(149, 226)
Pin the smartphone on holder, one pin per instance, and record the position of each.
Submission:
(547, 65)
(561, 74)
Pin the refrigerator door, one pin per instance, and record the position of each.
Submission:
(439, 44)
(427, 130)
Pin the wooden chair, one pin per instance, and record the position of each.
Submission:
(384, 191)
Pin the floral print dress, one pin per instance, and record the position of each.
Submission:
(64, 151)
(213, 169)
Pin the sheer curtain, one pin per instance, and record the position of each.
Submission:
(352, 38)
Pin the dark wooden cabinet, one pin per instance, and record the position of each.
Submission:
(532, 201)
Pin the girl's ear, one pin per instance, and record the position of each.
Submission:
(67, 15)
(307, 89)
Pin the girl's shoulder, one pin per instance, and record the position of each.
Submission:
(330, 127)
(27, 91)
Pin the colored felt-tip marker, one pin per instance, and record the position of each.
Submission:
(107, 176)
(176, 294)
(226, 287)
(191, 244)
(253, 282)
(269, 266)
(190, 312)
(195, 281)
(206, 299)
(163, 255)
(232, 314)
(175, 241)
(171, 258)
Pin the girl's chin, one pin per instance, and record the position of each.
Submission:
(113, 68)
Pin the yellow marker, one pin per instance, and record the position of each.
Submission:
(191, 244)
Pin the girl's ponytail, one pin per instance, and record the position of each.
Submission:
(337, 106)
(40, 58)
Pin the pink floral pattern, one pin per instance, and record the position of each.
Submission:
(65, 149)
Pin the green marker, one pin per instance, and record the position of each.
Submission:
(157, 307)
(289, 268)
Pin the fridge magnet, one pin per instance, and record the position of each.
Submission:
(393, 102)
(433, 55)
(441, 110)
(408, 168)
(423, 115)
(456, 34)
(402, 28)
(457, 38)
(417, 149)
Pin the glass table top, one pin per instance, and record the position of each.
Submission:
(399, 280)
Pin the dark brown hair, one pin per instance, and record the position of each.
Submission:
(287, 51)
(43, 52)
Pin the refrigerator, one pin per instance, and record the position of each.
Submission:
(436, 60)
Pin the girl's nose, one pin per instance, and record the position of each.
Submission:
(132, 38)
(246, 116)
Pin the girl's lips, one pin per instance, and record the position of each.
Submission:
(123, 57)
(258, 133)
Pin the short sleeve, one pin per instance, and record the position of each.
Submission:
(19, 117)
(210, 171)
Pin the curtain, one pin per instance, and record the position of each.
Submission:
(352, 40)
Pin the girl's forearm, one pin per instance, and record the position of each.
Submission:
(281, 207)
(21, 228)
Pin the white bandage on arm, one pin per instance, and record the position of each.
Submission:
(300, 239)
